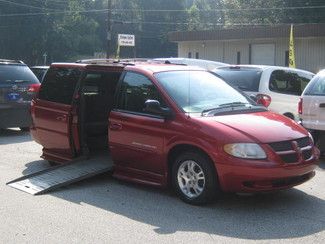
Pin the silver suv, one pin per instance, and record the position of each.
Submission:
(312, 109)
(18, 85)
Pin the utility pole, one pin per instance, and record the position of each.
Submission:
(109, 27)
(45, 56)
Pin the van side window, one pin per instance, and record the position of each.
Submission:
(135, 90)
(286, 82)
(59, 85)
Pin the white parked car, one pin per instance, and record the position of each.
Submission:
(312, 109)
(282, 84)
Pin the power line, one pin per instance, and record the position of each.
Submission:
(147, 10)
(24, 5)
(222, 10)
(188, 23)
(54, 13)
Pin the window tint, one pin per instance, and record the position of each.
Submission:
(317, 87)
(136, 89)
(243, 79)
(288, 82)
(59, 85)
(16, 74)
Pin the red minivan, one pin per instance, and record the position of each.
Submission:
(169, 124)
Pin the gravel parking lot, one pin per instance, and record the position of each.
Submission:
(104, 210)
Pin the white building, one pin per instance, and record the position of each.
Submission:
(267, 45)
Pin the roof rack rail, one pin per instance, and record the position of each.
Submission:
(124, 61)
(97, 61)
(10, 61)
(135, 60)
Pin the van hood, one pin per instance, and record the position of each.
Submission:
(262, 127)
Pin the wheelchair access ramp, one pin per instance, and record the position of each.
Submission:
(62, 175)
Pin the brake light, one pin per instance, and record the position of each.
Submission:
(300, 106)
(34, 89)
(263, 99)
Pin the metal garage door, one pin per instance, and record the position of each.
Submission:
(263, 54)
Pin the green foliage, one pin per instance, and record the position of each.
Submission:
(257, 12)
(193, 17)
(205, 14)
(30, 33)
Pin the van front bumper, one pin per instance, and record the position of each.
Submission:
(239, 175)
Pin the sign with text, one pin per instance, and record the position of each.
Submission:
(126, 40)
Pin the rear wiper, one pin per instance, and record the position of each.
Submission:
(21, 81)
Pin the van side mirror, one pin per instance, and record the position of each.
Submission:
(154, 107)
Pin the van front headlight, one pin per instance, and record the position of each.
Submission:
(245, 150)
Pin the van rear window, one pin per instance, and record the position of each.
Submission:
(59, 85)
(316, 87)
(10, 73)
(243, 79)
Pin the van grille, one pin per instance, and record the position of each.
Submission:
(293, 151)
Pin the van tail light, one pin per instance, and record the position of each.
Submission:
(300, 106)
(34, 89)
(263, 99)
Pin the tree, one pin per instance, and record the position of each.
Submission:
(205, 14)
(71, 29)
(261, 12)
(62, 31)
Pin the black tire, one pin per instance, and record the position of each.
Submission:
(289, 115)
(320, 143)
(24, 129)
(211, 187)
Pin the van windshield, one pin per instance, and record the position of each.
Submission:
(202, 92)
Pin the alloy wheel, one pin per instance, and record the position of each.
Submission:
(191, 179)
